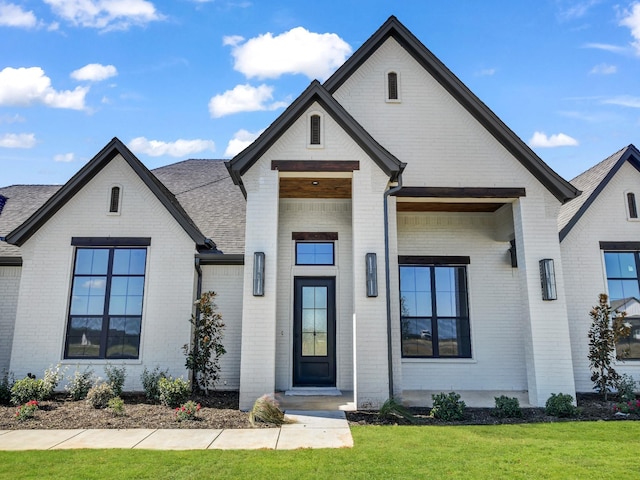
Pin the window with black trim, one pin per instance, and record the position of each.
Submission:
(315, 137)
(632, 208)
(392, 86)
(114, 201)
(315, 253)
(434, 312)
(623, 284)
(105, 312)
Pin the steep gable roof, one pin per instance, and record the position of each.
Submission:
(592, 182)
(315, 92)
(23, 232)
(392, 28)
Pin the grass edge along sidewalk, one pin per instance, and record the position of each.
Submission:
(544, 450)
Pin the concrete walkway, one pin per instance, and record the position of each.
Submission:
(309, 429)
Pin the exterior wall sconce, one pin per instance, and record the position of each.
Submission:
(258, 274)
(548, 279)
(372, 274)
(513, 254)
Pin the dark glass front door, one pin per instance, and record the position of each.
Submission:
(314, 332)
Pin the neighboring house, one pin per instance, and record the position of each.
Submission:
(600, 242)
(383, 236)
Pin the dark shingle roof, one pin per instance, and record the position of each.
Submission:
(592, 182)
(22, 201)
(203, 188)
(207, 193)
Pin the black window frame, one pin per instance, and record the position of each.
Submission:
(463, 321)
(315, 129)
(333, 253)
(626, 343)
(83, 244)
(393, 86)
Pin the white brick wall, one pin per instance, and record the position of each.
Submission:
(226, 281)
(47, 270)
(495, 308)
(307, 215)
(9, 286)
(582, 260)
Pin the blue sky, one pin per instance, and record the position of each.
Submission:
(199, 79)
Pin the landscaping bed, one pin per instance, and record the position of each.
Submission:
(220, 410)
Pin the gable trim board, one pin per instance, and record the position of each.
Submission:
(115, 147)
(629, 154)
(559, 187)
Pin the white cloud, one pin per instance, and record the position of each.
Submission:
(12, 15)
(604, 69)
(28, 86)
(540, 140)
(243, 98)
(577, 9)
(64, 157)
(106, 14)
(94, 72)
(487, 72)
(18, 140)
(296, 51)
(241, 140)
(179, 148)
(632, 21)
(606, 47)
(11, 118)
(623, 101)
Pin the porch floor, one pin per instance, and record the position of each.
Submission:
(472, 398)
(316, 402)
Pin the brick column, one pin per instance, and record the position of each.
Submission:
(545, 326)
(258, 354)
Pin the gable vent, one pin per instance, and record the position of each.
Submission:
(114, 204)
(392, 81)
(315, 130)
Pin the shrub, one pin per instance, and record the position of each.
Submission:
(203, 355)
(6, 383)
(187, 411)
(80, 384)
(116, 377)
(26, 411)
(173, 392)
(507, 407)
(116, 405)
(560, 405)
(267, 410)
(632, 406)
(607, 327)
(26, 389)
(392, 409)
(448, 406)
(52, 377)
(99, 395)
(626, 388)
(150, 380)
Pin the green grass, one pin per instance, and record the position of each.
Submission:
(579, 450)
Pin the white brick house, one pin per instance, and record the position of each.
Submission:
(383, 236)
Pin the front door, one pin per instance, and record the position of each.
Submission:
(314, 332)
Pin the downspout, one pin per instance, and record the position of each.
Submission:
(197, 314)
(387, 273)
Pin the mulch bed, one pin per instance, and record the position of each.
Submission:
(220, 410)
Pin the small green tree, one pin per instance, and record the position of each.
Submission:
(607, 327)
(203, 355)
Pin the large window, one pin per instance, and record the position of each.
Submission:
(434, 311)
(314, 253)
(105, 313)
(624, 295)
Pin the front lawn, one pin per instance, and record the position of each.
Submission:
(544, 450)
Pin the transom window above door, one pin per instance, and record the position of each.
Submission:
(315, 253)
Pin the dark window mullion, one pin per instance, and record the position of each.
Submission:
(105, 313)
(435, 340)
